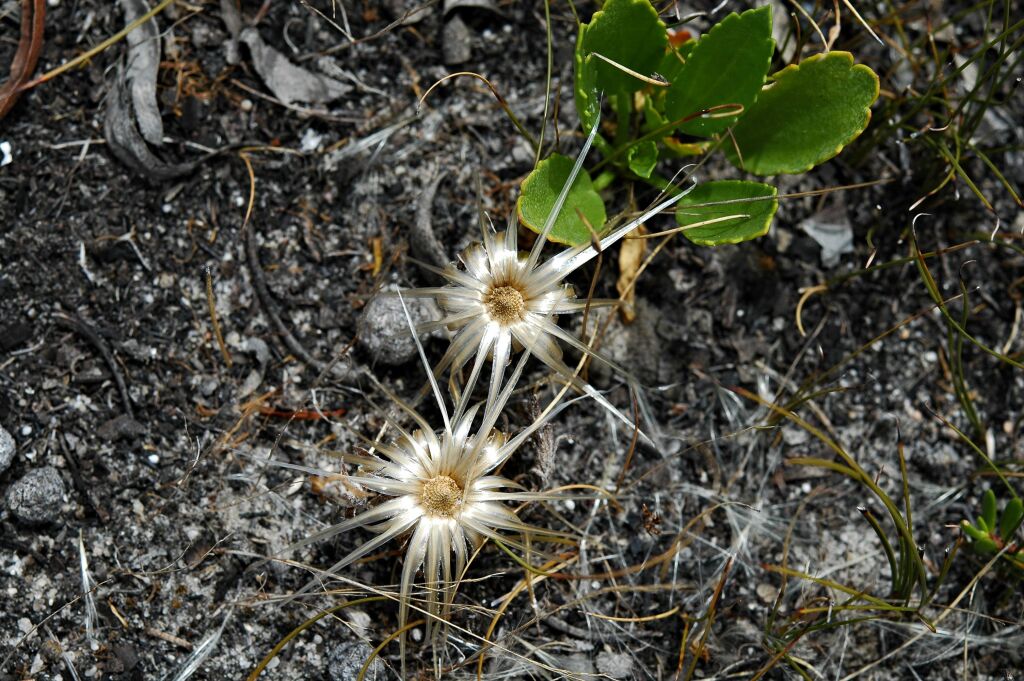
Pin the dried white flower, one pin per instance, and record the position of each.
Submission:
(502, 300)
(443, 491)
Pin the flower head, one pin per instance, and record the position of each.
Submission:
(443, 494)
(501, 301)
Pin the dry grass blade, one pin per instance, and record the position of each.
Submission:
(301, 628)
(497, 95)
(89, 54)
(211, 303)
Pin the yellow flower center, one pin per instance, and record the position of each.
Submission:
(505, 304)
(441, 496)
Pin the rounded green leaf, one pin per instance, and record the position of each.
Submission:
(673, 59)
(752, 203)
(540, 190)
(806, 116)
(1012, 515)
(629, 33)
(642, 158)
(727, 67)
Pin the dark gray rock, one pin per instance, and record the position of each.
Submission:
(14, 335)
(36, 498)
(6, 450)
(346, 660)
(120, 428)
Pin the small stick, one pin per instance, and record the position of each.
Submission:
(170, 638)
(79, 326)
(263, 294)
(632, 443)
(76, 475)
(86, 56)
(212, 303)
(252, 188)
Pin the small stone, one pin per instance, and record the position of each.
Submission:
(615, 665)
(794, 436)
(457, 41)
(384, 330)
(127, 657)
(346, 660)
(120, 427)
(36, 498)
(766, 592)
(577, 662)
(6, 449)
(13, 335)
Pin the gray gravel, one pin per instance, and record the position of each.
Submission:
(36, 498)
(178, 508)
(346, 660)
(6, 450)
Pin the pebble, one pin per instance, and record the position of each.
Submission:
(36, 498)
(767, 593)
(457, 41)
(795, 436)
(120, 428)
(384, 330)
(14, 335)
(346, 660)
(615, 665)
(6, 449)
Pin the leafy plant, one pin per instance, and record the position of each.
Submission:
(673, 100)
(989, 537)
(940, 119)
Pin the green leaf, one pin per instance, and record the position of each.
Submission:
(1012, 515)
(972, 531)
(985, 546)
(588, 97)
(654, 98)
(806, 116)
(673, 59)
(642, 158)
(629, 33)
(757, 213)
(540, 190)
(727, 67)
(987, 521)
(653, 118)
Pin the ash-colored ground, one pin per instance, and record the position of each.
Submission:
(141, 530)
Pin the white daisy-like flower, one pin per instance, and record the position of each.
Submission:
(501, 301)
(444, 495)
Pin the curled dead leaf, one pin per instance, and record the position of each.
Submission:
(631, 257)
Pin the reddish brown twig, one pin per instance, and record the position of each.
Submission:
(33, 19)
(302, 414)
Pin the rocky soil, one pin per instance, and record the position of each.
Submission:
(142, 525)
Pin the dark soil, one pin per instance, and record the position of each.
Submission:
(111, 373)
